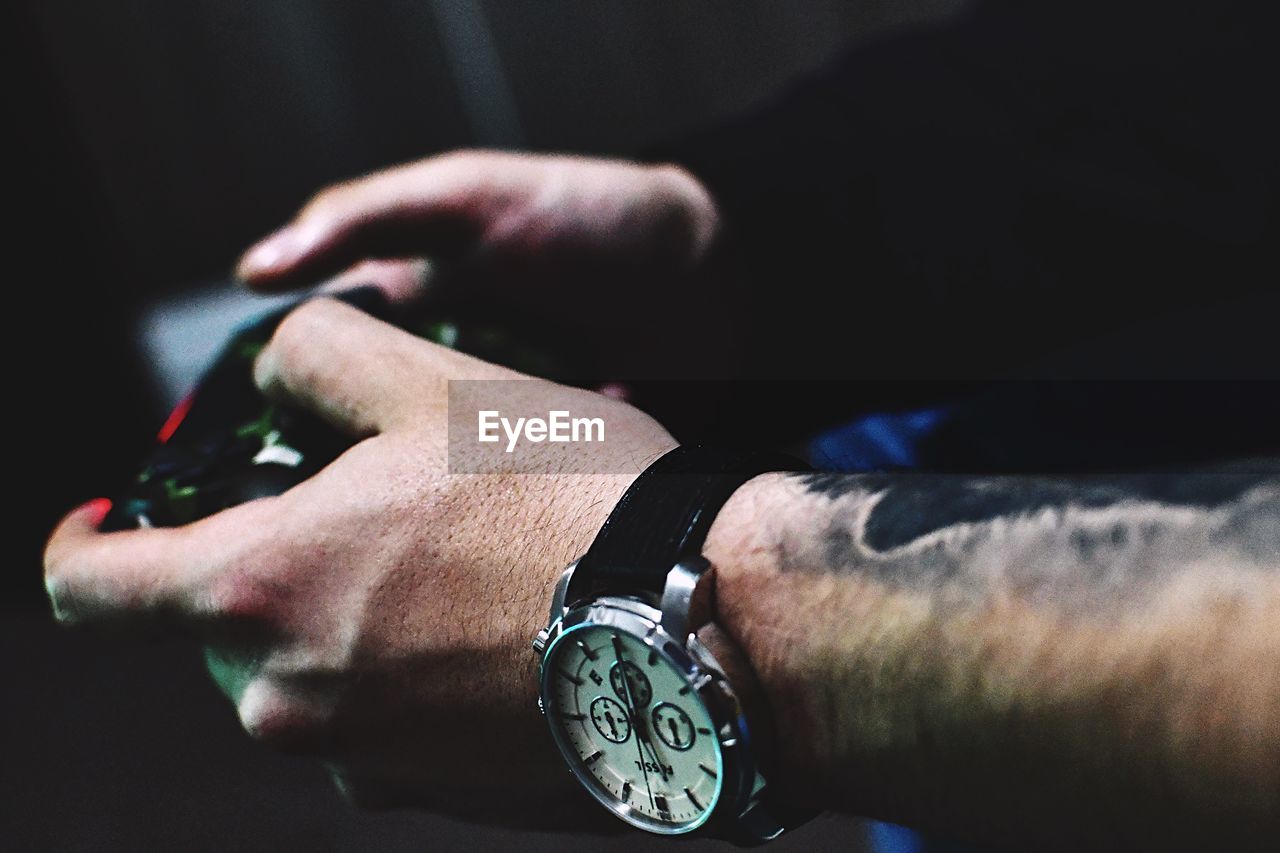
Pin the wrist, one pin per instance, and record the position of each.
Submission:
(618, 668)
(843, 663)
(760, 612)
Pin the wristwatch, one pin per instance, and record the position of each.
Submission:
(643, 713)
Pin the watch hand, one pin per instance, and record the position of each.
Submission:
(631, 709)
(657, 757)
(644, 733)
(675, 736)
(613, 729)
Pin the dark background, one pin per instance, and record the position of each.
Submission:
(154, 141)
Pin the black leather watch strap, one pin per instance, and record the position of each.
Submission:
(665, 516)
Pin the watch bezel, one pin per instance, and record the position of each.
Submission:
(700, 670)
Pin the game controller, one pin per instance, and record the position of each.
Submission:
(226, 444)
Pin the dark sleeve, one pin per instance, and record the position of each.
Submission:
(1053, 188)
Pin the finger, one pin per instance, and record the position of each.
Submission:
(401, 282)
(360, 374)
(425, 209)
(135, 575)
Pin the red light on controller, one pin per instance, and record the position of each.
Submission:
(175, 418)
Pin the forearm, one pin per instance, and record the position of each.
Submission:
(1079, 663)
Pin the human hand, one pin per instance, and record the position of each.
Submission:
(378, 615)
(602, 247)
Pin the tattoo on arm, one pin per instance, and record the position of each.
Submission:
(1093, 542)
(1095, 652)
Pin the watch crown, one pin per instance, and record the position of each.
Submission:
(540, 641)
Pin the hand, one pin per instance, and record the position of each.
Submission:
(379, 614)
(606, 246)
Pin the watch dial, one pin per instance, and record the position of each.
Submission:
(624, 677)
(673, 726)
(634, 731)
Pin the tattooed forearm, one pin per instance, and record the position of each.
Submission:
(912, 506)
(1087, 542)
(1100, 656)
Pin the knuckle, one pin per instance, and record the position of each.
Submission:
(250, 585)
(270, 716)
(301, 324)
(285, 357)
(239, 596)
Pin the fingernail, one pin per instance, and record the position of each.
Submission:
(97, 509)
(56, 590)
(277, 250)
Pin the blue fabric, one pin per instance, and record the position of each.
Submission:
(889, 838)
(876, 442)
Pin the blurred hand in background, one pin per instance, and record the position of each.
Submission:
(602, 247)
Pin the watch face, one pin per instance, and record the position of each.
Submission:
(632, 728)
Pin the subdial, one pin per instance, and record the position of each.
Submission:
(610, 719)
(673, 726)
(641, 692)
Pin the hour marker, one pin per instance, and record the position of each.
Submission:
(704, 731)
(684, 691)
(661, 802)
(705, 769)
(653, 656)
(575, 717)
(593, 757)
(697, 805)
(586, 650)
(569, 675)
(626, 790)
